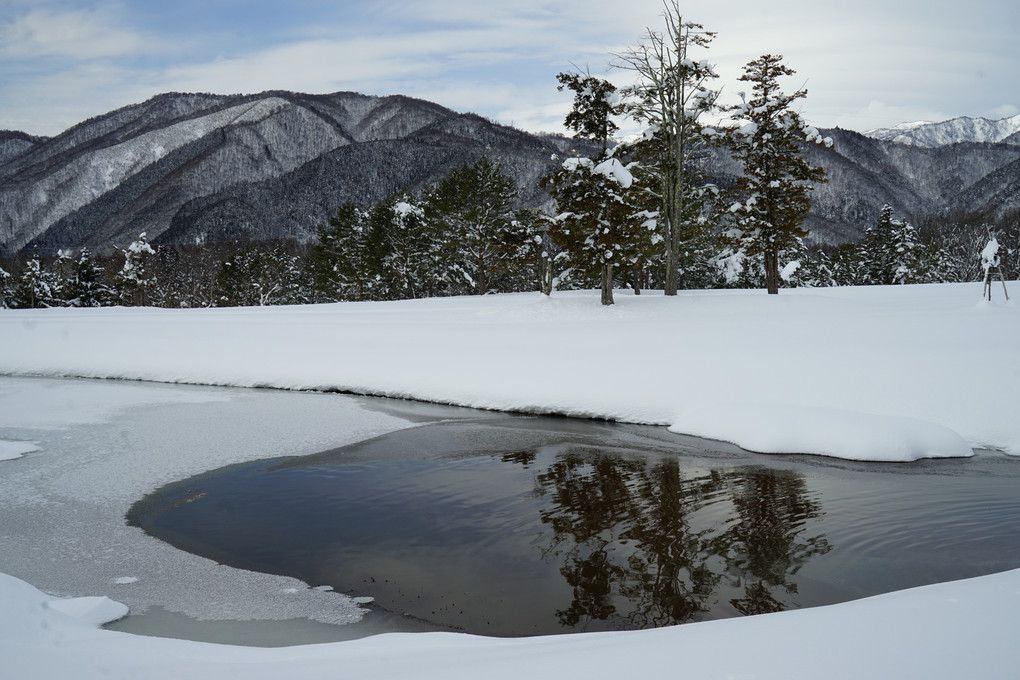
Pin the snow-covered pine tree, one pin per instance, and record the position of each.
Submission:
(815, 270)
(412, 260)
(892, 253)
(991, 265)
(37, 286)
(774, 190)
(599, 221)
(877, 250)
(340, 264)
(86, 284)
(847, 265)
(259, 275)
(5, 288)
(671, 97)
(599, 227)
(536, 251)
(134, 280)
(470, 210)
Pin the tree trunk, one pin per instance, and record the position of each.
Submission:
(546, 275)
(772, 271)
(672, 249)
(607, 284)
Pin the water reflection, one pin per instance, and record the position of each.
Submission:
(630, 543)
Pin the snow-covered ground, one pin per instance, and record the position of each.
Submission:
(877, 373)
(880, 373)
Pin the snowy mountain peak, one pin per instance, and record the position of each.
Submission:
(930, 135)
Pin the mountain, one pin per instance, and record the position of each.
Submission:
(865, 173)
(955, 131)
(13, 144)
(189, 168)
(200, 166)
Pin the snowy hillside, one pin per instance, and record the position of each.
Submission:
(142, 168)
(964, 129)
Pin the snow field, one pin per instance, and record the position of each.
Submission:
(880, 373)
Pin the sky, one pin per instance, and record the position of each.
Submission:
(865, 64)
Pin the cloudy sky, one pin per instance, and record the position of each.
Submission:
(865, 63)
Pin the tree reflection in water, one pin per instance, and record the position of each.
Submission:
(633, 548)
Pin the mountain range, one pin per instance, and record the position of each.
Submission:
(191, 168)
(955, 131)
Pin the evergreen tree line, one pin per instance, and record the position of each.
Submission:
(396, 252)
(141, 274)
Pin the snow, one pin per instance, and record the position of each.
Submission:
(105, 444)
(906, 353)
(990, 255)
(768, 428)
(13, 450)
(881, 373)
(613, 169)
(954, 630)
(91, 610)
(935, 134)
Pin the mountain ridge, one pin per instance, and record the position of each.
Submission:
(187, 167)
(954, 131)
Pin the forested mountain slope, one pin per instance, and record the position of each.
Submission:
(204, 167)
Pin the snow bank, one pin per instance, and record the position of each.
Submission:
(952, 630)
(773, 428)
(874, 373)
(32, 617)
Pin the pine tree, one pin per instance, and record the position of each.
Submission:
(816, 270)
(877, 248)
(537, 250)
(6, 281)
(37, 286)
(847, 265)
(340, 262)
(412, 260)
(599, 220)
(599, 227)
(258, 276)
(892, 253)
(86, 286)
(671, 97)
(776, 183)
(470, 210)
(134, 280)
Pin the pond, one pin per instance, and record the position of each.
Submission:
(516, 525)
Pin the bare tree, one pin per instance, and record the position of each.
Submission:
(671, 97)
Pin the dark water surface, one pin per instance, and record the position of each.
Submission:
(513, 525)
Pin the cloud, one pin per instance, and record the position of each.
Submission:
(1002, 111)
(76, 33)
(497, 59)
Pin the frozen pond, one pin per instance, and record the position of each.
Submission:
(508, 525)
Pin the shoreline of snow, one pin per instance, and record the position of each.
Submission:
(884, 373)
(949, 630)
